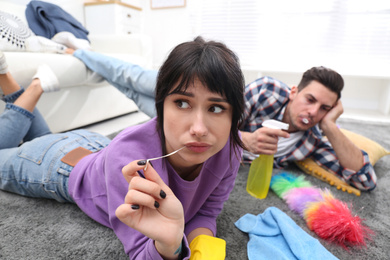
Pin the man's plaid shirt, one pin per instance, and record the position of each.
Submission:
(266, 98)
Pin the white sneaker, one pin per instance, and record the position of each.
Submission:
(42, 44)
(70, 41)
(49, 81)
(3, 64)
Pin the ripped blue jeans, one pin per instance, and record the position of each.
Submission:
(34, 168)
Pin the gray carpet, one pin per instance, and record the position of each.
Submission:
(44, 229)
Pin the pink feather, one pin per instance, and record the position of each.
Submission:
(298, 198)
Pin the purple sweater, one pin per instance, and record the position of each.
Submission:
(98, 187)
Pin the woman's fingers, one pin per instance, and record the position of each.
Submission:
(148, 187)
(133, 169)
(139, 198)
(145, 189)
(151, 174)
(129, 171)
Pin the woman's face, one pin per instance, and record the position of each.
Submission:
(198, 119)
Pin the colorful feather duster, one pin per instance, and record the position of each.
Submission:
(330, 218)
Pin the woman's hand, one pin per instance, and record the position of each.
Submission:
(151, 208)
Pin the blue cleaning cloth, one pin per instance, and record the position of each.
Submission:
(46, 19)
(274, 235)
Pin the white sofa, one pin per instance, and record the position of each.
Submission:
(85, 97)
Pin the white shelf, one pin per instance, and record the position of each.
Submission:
(112, 17)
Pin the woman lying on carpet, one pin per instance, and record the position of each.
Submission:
(311, 109)
(167, 210)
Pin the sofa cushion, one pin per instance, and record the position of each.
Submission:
(69, 70)
(13, 32)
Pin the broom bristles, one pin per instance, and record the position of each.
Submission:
(284, 182)
(298, 198)
(330, 218)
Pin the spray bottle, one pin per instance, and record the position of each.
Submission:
(260, 172)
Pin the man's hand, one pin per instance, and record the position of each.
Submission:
(263, 141)
(332, 115)
(347, 153)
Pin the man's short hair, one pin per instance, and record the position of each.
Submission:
(327, 77)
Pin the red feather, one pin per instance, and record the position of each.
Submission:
(332, 220)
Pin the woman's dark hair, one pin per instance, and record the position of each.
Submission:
(327, 77)
(216, 66)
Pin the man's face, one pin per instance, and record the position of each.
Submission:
(308, 106)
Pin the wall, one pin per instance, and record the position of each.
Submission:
(167, 27)
(364, 97)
